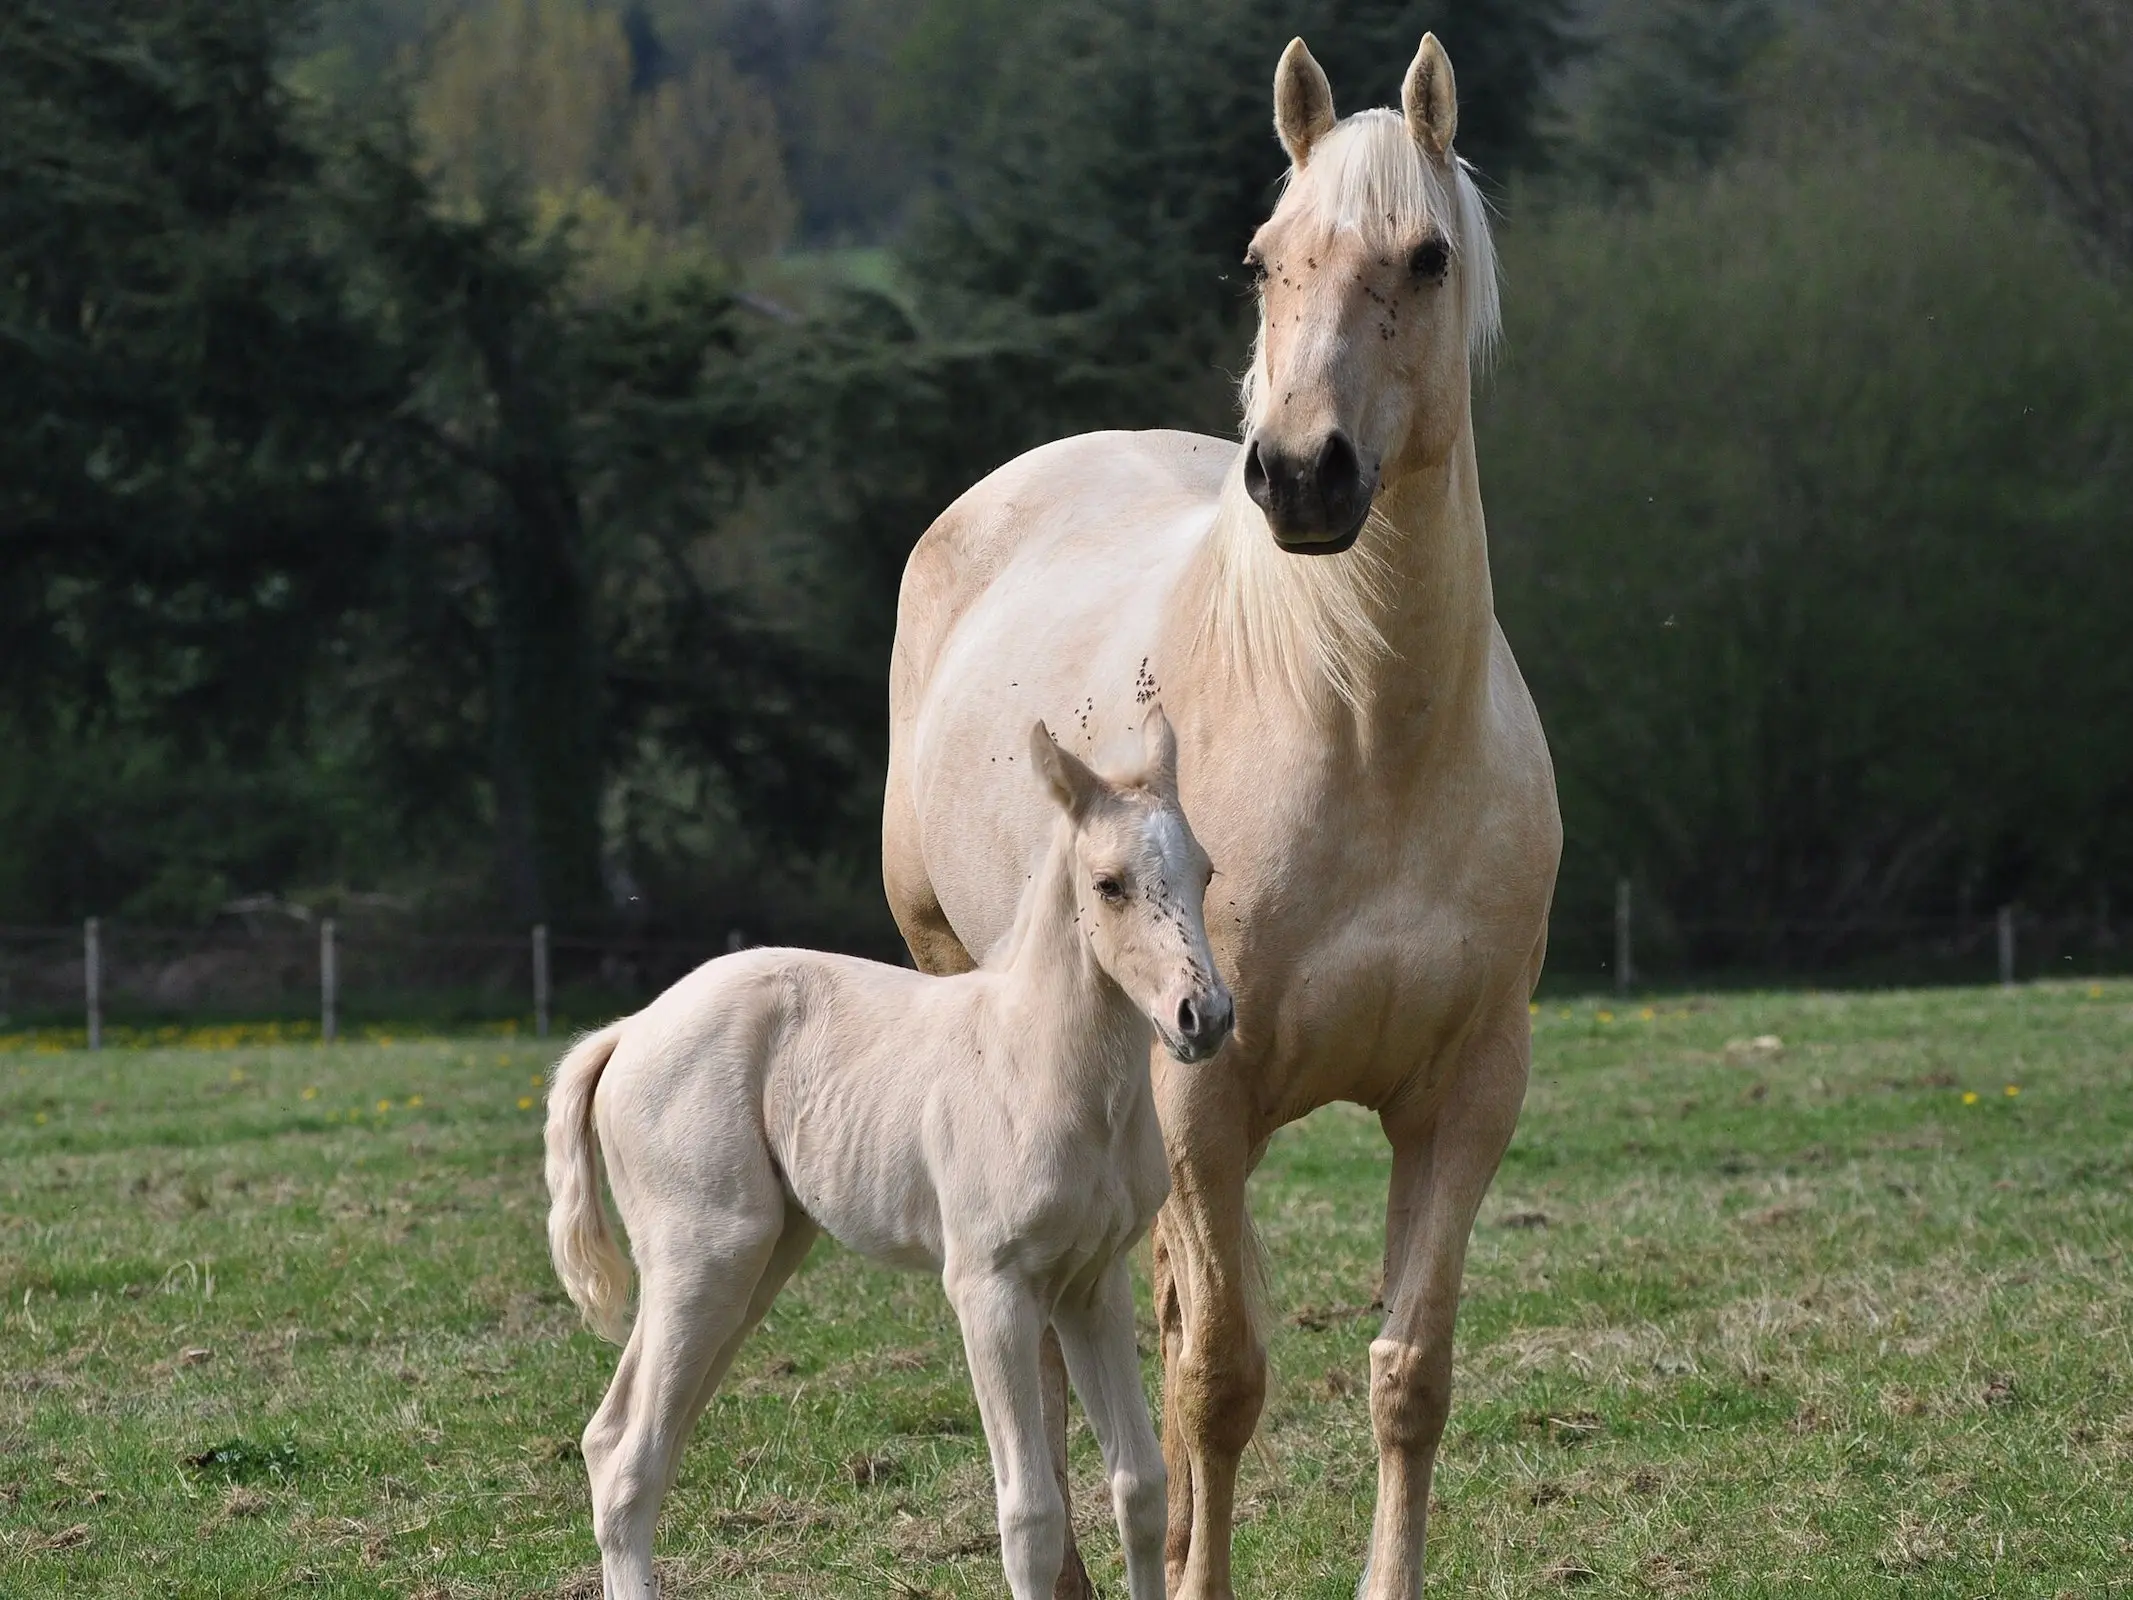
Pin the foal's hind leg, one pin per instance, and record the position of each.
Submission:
(694, 1306)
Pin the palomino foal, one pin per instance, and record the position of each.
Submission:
(998, 1128)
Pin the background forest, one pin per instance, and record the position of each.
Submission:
(456, 456)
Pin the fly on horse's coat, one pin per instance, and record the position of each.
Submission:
(1314, 607)
(998, 1128)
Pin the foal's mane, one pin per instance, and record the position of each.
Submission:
(1311, 621)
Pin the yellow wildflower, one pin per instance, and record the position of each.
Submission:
(536, 1080)
(413, 1101)
(42, 1119)
(1533, 1008)
(2012, 1090)
(311, 1093)
(1607, 1016)
(385, 1105)
(236, 1074)
(1969, 1097)
(2095, 991)
(525, 1103)
(1646, 1014)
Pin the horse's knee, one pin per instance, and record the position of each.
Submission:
(1033, 1529)
(1410, 1396)
(1220, 1385)
(1140, 1494)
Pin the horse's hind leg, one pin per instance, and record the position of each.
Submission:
(785, 1258)
(694, 1305)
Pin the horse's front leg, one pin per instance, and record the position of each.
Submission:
(1098, 1341)
(1214, 1366)
(1003, 1324)
(1442, 1164)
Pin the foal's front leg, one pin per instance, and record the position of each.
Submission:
(1100, 1353)
(1002, 1327)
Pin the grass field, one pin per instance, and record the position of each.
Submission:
(1840, 1314)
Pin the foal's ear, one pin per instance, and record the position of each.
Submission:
(1431, 99)
(1159, 753)
(1073, 785)
(1303, 102)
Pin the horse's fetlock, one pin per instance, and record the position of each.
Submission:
(1410, 1395)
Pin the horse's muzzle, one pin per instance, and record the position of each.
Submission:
(1315, 501)
(1200, 1027)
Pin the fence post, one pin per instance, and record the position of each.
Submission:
(329, 983)
(540, 980)
(2007, 948)
(1623, 975)
(92, 978)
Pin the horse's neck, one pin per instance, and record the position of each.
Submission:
(1438, 611)
(1076, 1032)
(1393, 633)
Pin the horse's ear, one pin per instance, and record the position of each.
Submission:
(1303, 102)
(1073, 785)
(1159, 752)
(1431, 99)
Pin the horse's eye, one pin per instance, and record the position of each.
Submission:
(1111, 890)
(1430, 259)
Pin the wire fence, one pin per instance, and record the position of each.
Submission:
(107, 980)
(115, 981)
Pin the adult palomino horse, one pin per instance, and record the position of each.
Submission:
(1363, 762)
(998, 1128)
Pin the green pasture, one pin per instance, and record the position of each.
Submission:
(1776, 1295)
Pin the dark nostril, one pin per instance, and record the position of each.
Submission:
(1337, 463)
(1188, 1019)
(1255, 479)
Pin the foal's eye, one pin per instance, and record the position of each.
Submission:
(1430, 260)
(1110, 890)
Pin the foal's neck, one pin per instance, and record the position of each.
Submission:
(1074, 1027)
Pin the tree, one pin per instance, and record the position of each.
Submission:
(2049, 85)
(1806, 488)
(1123, 157)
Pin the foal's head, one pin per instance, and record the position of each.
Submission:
(1140, 878)
(1376, 280)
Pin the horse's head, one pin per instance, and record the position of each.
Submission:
(1377, 281)
(1140, 881)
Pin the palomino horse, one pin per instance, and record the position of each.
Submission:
(1364, 763)
(998, 1128)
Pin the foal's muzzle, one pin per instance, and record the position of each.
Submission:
(1315, 500)
(1200, 1026)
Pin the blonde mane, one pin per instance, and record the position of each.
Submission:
(1311, 622)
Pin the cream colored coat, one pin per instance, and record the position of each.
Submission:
(1361, 759)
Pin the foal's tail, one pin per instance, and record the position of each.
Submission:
(592, 1266)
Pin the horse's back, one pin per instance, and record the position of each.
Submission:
(1069, 489)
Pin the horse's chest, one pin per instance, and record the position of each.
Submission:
(1358, 1004)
